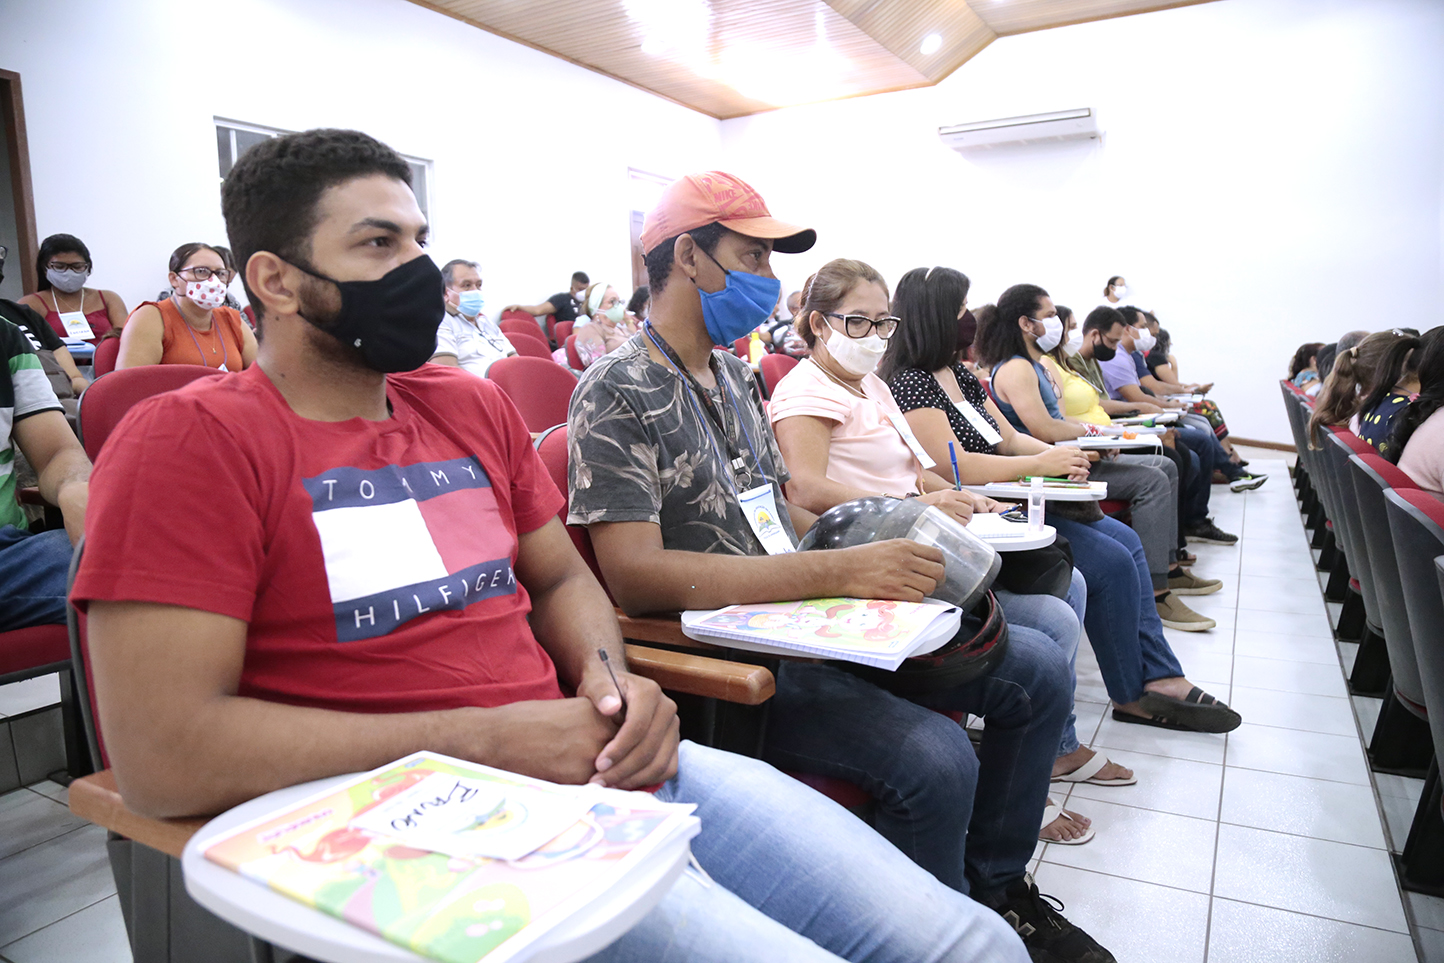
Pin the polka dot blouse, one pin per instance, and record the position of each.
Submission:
(915, 388)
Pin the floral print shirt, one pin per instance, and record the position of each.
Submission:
(642, 450)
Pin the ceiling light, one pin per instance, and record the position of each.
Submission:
(931, 43)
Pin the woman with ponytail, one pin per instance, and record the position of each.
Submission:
(1394, 385)
(1417, 444)
(1350, 382)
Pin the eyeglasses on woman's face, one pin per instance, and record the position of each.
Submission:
(860, 325)
(205, 274)
(67, 267)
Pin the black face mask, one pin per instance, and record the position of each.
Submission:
(392, 321)
(1101, 352)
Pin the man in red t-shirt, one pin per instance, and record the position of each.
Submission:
(340, 555)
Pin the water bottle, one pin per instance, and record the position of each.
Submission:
(1035, 505)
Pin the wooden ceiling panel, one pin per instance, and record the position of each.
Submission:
(728, 58)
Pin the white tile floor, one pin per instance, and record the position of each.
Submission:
(1264, 845)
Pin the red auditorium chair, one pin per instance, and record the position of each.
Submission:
(564, 330)
(573, 357)
(42, 650)
(540, 389)
(106, 351)
(774, 367)
(740, 347)
(528, 326)
(518, 315)
(106, 400)
(1416, 521)
(527, 346)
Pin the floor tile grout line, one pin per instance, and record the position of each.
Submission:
(1314, 916)
(76, 829)
(4, 959)
(1131, 879)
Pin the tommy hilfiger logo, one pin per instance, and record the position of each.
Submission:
(402, 541)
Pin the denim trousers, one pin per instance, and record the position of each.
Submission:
(795, 877)
(1122, 619)
(1221, 461)
(33, 569)
(934, 792)
(1061, 621)
(1200, 443)
(1149, 483)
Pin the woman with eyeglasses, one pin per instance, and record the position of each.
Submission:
(843, 437)
(192, 326)
(62, 298)
(603, 326)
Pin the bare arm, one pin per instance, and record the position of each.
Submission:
(1122, 407)
(114, 309)
(976, 468)
(1163, 387)
(249, 347)
(805, 441)
(446, 359)
(645, 577)
(67, 365)
(142, 340)
(49, 445)
(546, 307)
(1017, 383)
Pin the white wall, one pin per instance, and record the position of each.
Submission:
(120, 100)
(1271, 174)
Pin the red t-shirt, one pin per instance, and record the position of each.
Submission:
(372, 561)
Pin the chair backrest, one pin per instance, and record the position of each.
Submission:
(551, 323)
(1338, 446)
(519, 315)
(1416, 520)
(573, 357)
(105, 402)
(528, 346)
(774, 367)
(1372, 476)
(552, 447)
(540, 388)
(106, 351)
(740, 346)
(528, 326)
(564, 330)
(80, 667)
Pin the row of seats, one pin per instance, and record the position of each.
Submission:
(1381, 539)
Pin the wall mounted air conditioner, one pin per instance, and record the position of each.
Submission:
(1029, 129)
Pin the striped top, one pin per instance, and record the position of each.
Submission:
(24, 391)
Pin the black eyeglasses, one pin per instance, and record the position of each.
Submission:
(204, 274)
(61, 266)
(860, 325)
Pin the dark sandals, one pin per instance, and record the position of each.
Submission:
(1197, 712)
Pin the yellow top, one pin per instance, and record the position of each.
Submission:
(1080, 399)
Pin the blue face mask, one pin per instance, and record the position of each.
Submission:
(746, 301)
(469, 303)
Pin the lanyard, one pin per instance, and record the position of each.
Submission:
(735, 461)
(226, 352)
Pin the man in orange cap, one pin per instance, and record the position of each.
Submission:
(672, 462)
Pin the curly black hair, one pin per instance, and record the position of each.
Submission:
(269, 198)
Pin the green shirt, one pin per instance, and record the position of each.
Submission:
(24, 391)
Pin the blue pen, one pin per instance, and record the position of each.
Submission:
(957, 479)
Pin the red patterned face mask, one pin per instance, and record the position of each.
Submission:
(209, 294)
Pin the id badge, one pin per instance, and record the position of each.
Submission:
(76, 326)
(901, 426)
(760, 509)
(979, 423)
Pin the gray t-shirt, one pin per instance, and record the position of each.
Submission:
(642, 450)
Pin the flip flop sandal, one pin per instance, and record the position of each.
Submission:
(1049, 815)
(1087, 773)
(1198, 711)
(1120, 716)
(1186, 559)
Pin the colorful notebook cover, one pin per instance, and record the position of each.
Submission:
(328, 853)
(869, 631)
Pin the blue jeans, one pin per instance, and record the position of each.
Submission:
(795, 877)
(934, 792)
(1221, 461)
(33, 569)
(1061, 621)
(1200, 443)
(1122, 619)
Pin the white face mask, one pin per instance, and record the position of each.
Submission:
(858, 356)
(209, 294)
(1052, 333)
(1075, 343)
(1119, 290)
(1144, 342)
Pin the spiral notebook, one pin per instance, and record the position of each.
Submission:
(871, 632)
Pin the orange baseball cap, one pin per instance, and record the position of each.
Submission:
(717, 198)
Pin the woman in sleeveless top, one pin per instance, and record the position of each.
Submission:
(70, 308)
(191, 326)
(944, 403)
